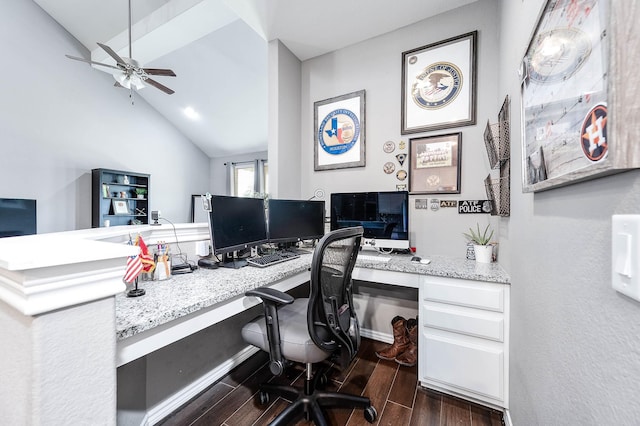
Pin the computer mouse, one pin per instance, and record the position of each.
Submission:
(425, 261)
(416, 259)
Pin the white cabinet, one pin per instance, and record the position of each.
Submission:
(463, 338)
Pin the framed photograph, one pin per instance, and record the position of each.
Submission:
(564, 96)
(439, 85)
(435, 164)
(339, 126)
(120, 206)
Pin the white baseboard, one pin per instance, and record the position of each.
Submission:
(175, 401)
(507, 418)
(376, 335)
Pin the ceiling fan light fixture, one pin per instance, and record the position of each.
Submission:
(127, 81)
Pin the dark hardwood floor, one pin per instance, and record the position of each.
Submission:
(393, 390)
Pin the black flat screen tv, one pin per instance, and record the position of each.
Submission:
(383, 215)
(291, 221)
(17, 217)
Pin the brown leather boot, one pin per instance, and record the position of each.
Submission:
(410, 356)
(400, 340)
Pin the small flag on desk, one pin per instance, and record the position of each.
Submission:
(148, 265)
(134, 267)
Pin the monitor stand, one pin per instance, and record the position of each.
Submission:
(229, 260)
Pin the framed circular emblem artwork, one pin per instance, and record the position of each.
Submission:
(339, 132)
(439, 85)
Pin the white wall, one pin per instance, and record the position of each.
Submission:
(284, 127)
(60, 118)
(574, 340)
(375, 66)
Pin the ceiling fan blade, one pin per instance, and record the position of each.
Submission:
(159, 71)
(157, 85)
(113, 54)
(75, 58)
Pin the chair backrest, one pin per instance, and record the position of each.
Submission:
(331, 317)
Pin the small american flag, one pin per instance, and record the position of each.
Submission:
(134, 267)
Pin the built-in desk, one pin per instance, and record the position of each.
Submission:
(187, 303)
(67, 325)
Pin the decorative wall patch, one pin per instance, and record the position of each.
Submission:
(474, 206)
(401, 187)
(389, 147)
(401, 158)
(435, 204)
(402, 145)
(421, 203)
(389, 167)
(448, 203)
(401, 175)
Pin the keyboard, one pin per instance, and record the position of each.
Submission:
(374, 258)
(271, 259)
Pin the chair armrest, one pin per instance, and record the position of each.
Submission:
(271, 299)
(271, 295)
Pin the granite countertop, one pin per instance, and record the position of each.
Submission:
(184, 294)
(440, 266)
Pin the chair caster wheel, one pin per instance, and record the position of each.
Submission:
(324, 380)
(264, 398)
(370, 414)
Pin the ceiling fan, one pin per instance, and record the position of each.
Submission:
(130, 74)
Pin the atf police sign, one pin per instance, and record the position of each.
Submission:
(339, 132)
(474, 206)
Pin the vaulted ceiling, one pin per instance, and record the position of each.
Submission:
(218, 49)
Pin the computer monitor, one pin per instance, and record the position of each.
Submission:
(17, 217)
(236, 223)
(383, 215)
(291, 221)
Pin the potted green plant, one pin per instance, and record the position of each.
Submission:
(481, 243)
(140, 192)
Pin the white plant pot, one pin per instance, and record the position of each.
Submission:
(484, 254)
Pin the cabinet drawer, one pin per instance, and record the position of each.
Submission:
(471, 367)
(463, 292)
(473, 322)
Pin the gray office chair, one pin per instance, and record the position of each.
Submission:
(311, 330)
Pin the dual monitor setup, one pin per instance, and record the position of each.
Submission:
(238, 223)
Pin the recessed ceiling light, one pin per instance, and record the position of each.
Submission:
(191, 113)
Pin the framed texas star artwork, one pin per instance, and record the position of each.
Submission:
(434, 162)
(339, 132)
(439, 85)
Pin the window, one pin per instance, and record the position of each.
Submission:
(245, 182)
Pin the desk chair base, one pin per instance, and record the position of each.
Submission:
(310, 401)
